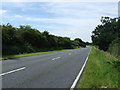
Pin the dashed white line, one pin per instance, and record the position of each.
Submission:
(12, 71)
(55, 58)
(69, 54)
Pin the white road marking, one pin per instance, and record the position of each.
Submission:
(69, 54)
(79, 74)
(12, 71)
(55, 58)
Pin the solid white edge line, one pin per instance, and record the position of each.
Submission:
(12, 71)
(79, 74)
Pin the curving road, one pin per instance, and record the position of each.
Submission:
(55, 70)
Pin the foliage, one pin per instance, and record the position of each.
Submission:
(100, 71)
(81, 43)
(107, 37)
(26, 40)
(88, 43)
(114, 48)
(104, 34)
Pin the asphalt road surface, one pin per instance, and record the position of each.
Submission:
(54, 70)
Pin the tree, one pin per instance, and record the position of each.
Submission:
(25, 39)
(81, 43)
(105, 33)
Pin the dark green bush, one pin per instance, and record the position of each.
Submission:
(27, 40)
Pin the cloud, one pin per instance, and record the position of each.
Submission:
(80, 9)
(38, 19)
(18, 16)
(73, 19)
(119, 9)
(80, 29)
(3, 11)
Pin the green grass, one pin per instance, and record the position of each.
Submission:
(30, 54)
(114, 49)
(100, 71)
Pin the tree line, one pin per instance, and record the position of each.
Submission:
(25, 39)
(107, 35)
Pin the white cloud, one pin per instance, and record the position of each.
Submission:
(80, 9)
(3, 11)
(71, 27)
(38, 19)
(67, 19)
(119, 9)
(18, 16)
(80, 28)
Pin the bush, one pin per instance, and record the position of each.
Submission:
(27, 40)
(114, 48)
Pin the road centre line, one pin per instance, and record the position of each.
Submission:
(69, 54)
(19, 69)
(56, 58)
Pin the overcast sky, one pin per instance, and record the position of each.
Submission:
(71, 19)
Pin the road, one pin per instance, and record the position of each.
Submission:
(54, 70)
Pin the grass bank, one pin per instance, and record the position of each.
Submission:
(100, 71)
(5, 57)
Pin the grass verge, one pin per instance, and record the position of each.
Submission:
(30, 54)
(100, 71)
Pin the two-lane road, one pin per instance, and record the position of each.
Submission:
(55, 70)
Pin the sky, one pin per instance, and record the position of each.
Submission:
(68, 19)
